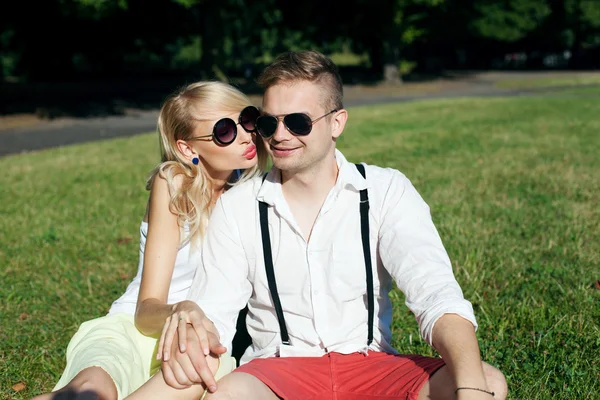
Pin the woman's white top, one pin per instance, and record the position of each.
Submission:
(186, 263)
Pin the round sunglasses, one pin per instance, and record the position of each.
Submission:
(298, 124)
(225, 130)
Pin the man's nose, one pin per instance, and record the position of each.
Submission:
(281, 132)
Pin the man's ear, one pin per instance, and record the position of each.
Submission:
(185, 149)
(338, 122)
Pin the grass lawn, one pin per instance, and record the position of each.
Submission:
(514, 188)
(580, 91)
(561, 80)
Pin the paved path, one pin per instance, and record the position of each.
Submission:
(68, 131)
(71, 131)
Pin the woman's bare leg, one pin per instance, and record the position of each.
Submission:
(157, 388)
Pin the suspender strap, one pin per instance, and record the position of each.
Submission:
(364, 231)
(263, 209)
(364, 228)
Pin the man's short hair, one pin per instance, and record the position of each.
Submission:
(309, 66)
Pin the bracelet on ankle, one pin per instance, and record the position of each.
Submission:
(470, 388)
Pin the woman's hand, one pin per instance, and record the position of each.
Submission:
(188, 323)
(183, 370)
(184, 313)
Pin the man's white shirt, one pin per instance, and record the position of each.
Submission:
(322, 283)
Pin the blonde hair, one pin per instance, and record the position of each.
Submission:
(309, 66)
(190, 186)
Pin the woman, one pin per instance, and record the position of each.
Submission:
(206, 135)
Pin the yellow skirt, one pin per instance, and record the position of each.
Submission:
(114, 344)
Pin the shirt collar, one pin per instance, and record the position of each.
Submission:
(348, 177)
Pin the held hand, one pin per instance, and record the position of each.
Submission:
(184, 313)
(184, 369)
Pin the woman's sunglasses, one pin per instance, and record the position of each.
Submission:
(297, 123)
(225, 130)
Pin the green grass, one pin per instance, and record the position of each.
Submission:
(568, 80)
(585, 91)
(514, 188)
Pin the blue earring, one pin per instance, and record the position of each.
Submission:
(195, 160)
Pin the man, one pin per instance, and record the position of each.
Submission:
(336, 236)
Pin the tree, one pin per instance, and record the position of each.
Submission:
(474, 33)
(508, 21)
(386, 28)
(581, 27)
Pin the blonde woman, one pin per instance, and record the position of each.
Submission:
(207, 136)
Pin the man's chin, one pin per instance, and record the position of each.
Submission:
(284, 163)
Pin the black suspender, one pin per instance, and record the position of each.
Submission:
(364, 231)
(266, 240)
(364, 228)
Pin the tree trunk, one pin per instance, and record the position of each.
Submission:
(376, 56)
(391, 71)
(384, 61)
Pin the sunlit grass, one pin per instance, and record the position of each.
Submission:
(514, 189)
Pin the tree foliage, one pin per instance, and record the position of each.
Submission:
(508, 21)
(93, 39)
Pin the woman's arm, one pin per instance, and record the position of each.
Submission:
(162, 245)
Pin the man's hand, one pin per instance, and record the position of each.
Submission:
(192, 367)
(188, 342)
(187, 313)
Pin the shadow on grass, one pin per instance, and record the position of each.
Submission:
(71, 394)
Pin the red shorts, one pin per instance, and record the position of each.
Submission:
(338, 376)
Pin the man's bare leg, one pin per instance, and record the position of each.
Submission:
(239, 385)
(90, 380)
(441, 385)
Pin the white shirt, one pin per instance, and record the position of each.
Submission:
(186, 264)
(322, 283)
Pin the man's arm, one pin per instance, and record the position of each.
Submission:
(412, 252)
(454, 338)
(221, 289)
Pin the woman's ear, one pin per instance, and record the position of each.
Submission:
(185, 149)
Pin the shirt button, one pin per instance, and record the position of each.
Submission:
(316, 292)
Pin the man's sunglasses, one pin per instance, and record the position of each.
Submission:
(298, 124)
(225, 130)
